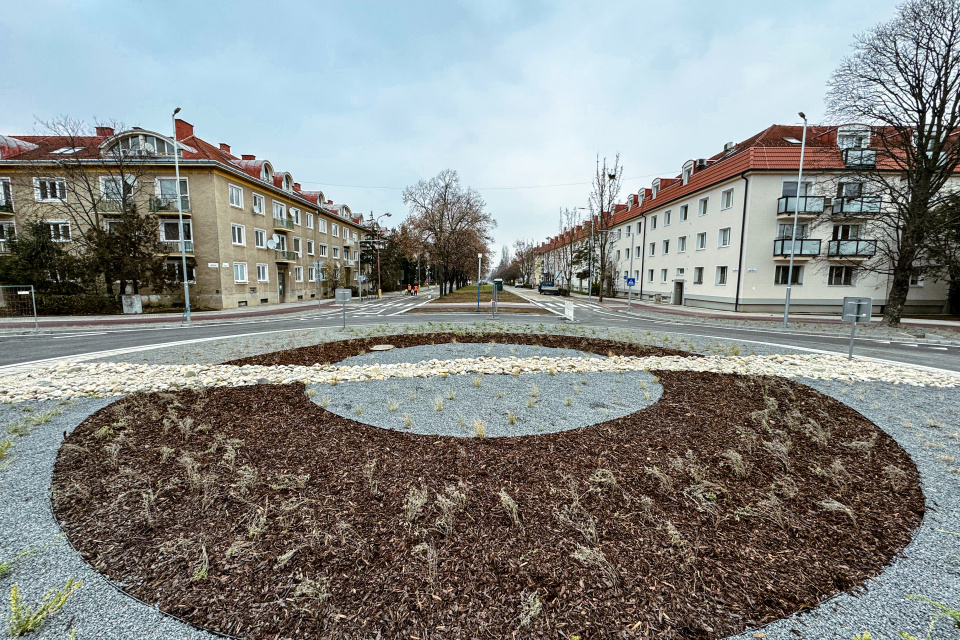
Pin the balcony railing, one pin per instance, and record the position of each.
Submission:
(852, 248)
(4, 247)
(803, 248)
(160, 203)
(285, 256)
(808, 205)
(173, 246)
(282, 224)
(110, 205)
(6, 207)
(860, 157)
(863, 204)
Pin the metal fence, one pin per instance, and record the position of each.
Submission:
(18, 302)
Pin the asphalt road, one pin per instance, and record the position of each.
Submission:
(27, 348)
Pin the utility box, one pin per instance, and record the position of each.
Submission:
(498, 283)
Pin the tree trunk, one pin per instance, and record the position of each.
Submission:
(897, 297)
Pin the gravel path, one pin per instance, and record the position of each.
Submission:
(925, 421)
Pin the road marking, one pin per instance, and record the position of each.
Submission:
(939, 348)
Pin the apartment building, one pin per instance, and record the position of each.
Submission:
(719, 234)
(251, 233)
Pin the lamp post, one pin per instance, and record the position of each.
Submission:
(377, 222)
(633, 250)
(479, 262)
(183, 242)
(796, 213)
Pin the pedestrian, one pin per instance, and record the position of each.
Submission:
(416, 289)
(409, 292)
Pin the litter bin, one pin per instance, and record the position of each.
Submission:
(498, 283)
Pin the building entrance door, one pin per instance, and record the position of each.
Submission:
(280, 283)
(678, 293)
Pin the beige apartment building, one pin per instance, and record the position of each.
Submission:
(251, 233)
(718, 235)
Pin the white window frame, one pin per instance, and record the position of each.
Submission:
(298, 274)
(336, 252)
(60, 224)
(684, 212)
(237, 279)
(235, 189)
(701, 241)
(321, 225)
(653, 223)
(187, 227)
(309, 221)
(723, 273)
(279, 210)
(649, 275)
(238, 235)
(780, 268)
(664, 275)
(703, 206)
(6, 192)
(130, 180)
(263, 272)
(310, 246)
(725, 231)
(682, 244)
(335, 230)
(653, 249)
(298, 246)
(666, 217)
(311, 274)
(698, 275)
(295, 215)
(61, 186)
(258, 235)
(853, 276)
(726, 199)
(665, 251)
(321, 250)
(262, 209)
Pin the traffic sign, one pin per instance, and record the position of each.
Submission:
(631, 282)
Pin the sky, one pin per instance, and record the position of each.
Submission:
(361, 99)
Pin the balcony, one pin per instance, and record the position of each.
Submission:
(160, 203)
(802, 248)
(863, 204)
(350, 263)
(282, 224)
(852, 249)
(857, 158)
(173, 246)
(809, 205)
(4, 246)
(6, 207)
(285, 256)
(110, 205)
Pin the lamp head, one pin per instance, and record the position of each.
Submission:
(802, 115)
(176, 111)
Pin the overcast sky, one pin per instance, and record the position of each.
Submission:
(361, 99)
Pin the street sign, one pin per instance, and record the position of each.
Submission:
(343, 296)
(856, 310)
(631, 282)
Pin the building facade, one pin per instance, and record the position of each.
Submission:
(251, 233)
(720, 234)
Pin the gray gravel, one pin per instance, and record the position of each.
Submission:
(390, 404)
(930, 565)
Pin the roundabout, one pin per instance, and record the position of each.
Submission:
(687, 504)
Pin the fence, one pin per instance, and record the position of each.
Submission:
(19, 302)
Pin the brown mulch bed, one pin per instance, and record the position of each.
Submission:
(644, 526)
(332, 352)
(431, 308)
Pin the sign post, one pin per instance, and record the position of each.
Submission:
(856, 310)
(343, 296)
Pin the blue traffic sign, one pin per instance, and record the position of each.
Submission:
(631, 282)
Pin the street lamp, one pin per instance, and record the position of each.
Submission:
(479, 262)
(183, 243)
(377, 222)
(796, 213)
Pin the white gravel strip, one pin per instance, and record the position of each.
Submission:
(66, 380)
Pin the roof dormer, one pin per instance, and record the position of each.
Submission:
(687, 171)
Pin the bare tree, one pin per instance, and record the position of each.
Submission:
(904, 77)
(603, 199)
(452, 223)
(567, 245)
(525, 257)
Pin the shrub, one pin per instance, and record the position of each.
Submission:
(23, 619)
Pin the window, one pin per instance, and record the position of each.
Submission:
(282, 242)
(311, 274)
(120, 189)
(309, 247)
(240, 272)
(238, 233)
(780, 276)
(628, 229)
(176, 265)
(680, 272)
(297, 247)
(687, 172)
(258, 204)
(6, 197)
(840, 276)
(263, 273)
(295, 215)
(279, 210)
(653, 248)
(723, 237)
(650, 275)
(666, 247)
(309, 221)
(846, 231)
(663, 275)
(8, 230)
(684, 210)
(626, 254)
(49, 189)
(653, 222)
(682, 244)
(59, 230)
(322, 250)
(166, 191)
(666, 218)
(298, 274)
(916, 279)
(703, 206)
(335, 232)
(260, 238)
(322, 225)
(790, 188)
(336, 252)
(618, 255)
(698, 275)
(721, 275)
(170, 230)
(701, 241)
(236, 196)
(726, 199)
(785, 231)
(850, 190)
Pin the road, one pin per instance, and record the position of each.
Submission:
(18, 351)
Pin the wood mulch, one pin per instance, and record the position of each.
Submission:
(731, 502)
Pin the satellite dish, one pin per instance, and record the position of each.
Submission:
(275, 238)
(271, 243)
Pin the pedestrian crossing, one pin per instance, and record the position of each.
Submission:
(373, 308)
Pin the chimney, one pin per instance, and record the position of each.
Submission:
(184, 129)
(296, 186)
(248, 156)
(104, 132)
(224, 147)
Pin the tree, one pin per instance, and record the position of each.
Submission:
(904, 75)
(36, 259)
(945, 251)
(525, 256)
(603, 200)
(452, 223)
(568, 244)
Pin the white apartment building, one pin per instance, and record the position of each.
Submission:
(719, 234)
